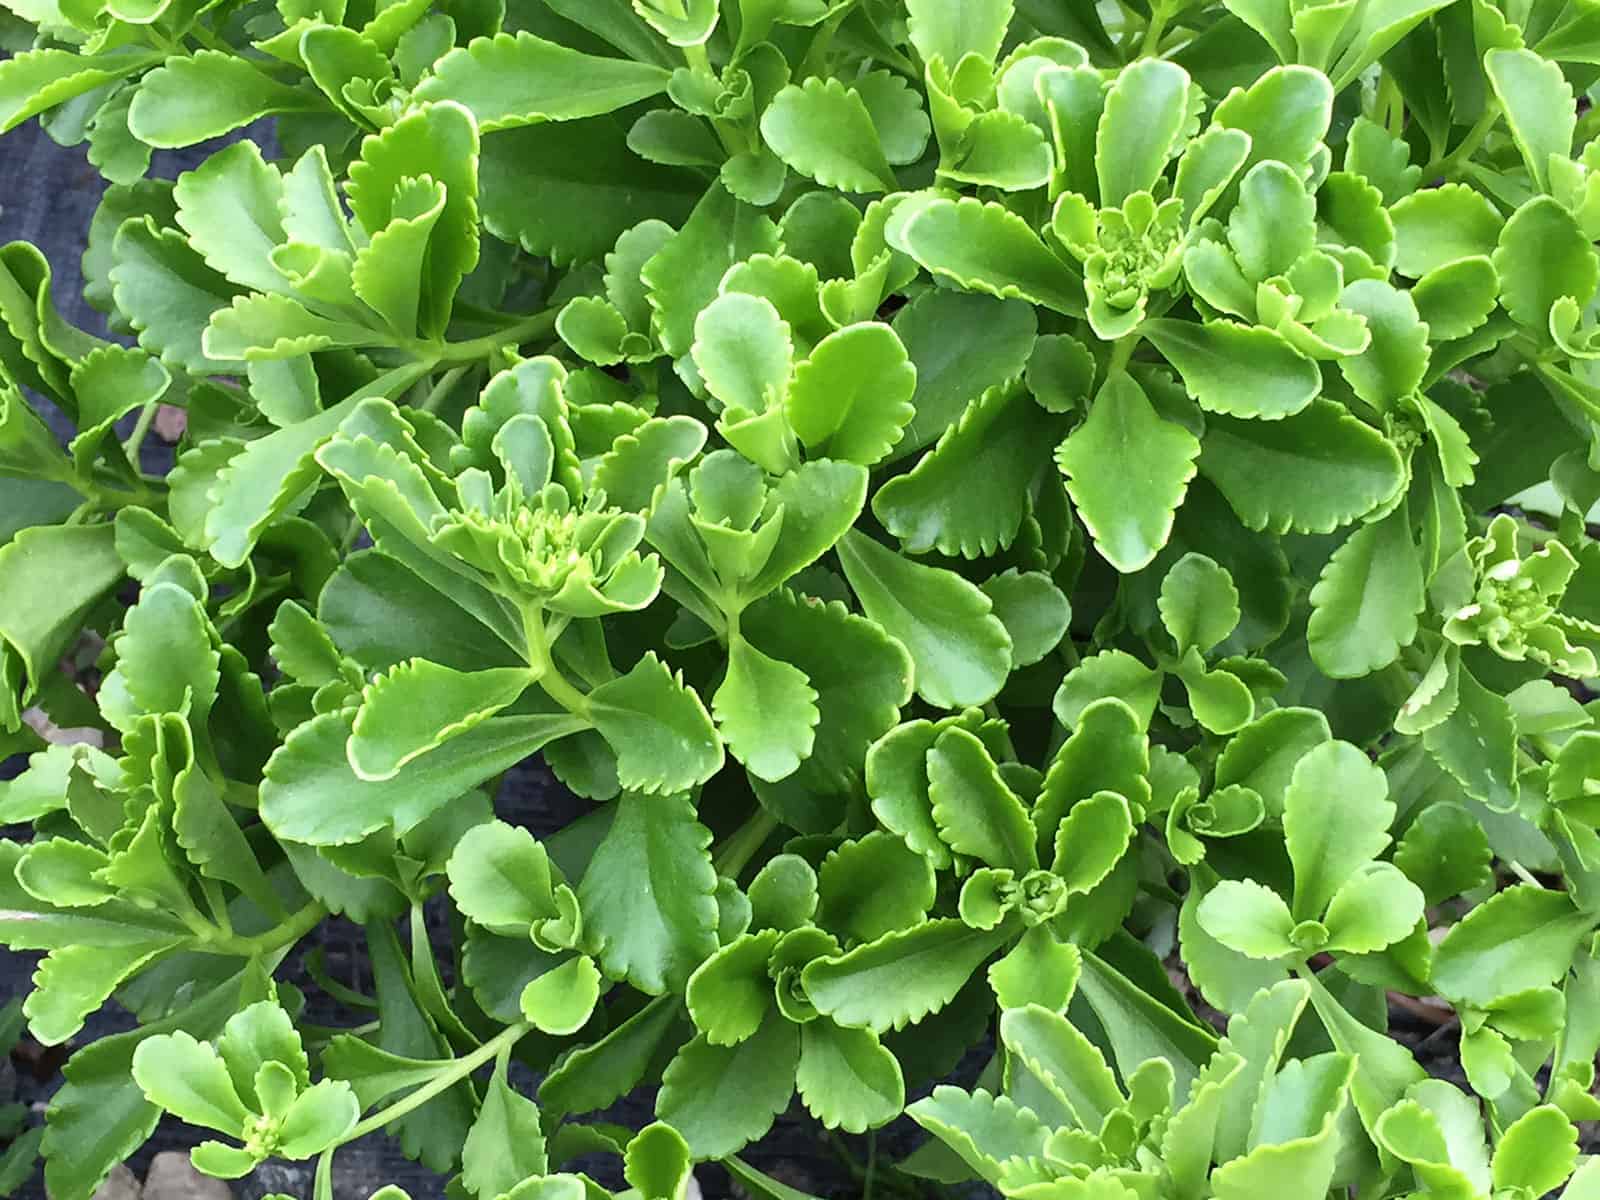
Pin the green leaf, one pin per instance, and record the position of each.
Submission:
(649, 910)
(660, 731)
(1457, 298)
(1311, 472)
(1375, 909)
(573, 167)
(1250, 918)
(188, 1080)
(1146, 110)
(441, 141)
(961, 651)
(1297, 1144)
(230, 206)
(951, 29)
(1477, 744)
(1521, 938)
(986, 1131)
(560, 1001)
(743, 350)
(1034, 611)
(500, 877)
(1199, 604)
(519, 79)
(872, 886)
(1365, 604)
(988, 248)
(852, 397)
(1336, 819)
(1542, 256)
(730, 994)
(1539, 107)
(962, 497)
(310, 794)
(722, 1097)
(418, 706)
(657, 1163)
(683, 277)
(847, 1078)
(593, 1076)
(166, 293)
(1396, 358)
(1124, 439)
(1286, 113)
(1067, 1065)
(35, 81)
(823, 130)
(74, 565)
(1445, 852)
(861, 674)
(1243, 371)
(961, 345)
(767, 712)
(1107, 752)
(977, 814)
(901, 977)
(1140, 1027)
(206, 94)
(1442, 225)
(1537, 1152)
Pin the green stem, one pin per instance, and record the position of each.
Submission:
(537, 326)
(1151, 46)
(740, 846)
(140, 428)
(442, 1082)
(1447, 165)
(440, 390)
(555, 684)
(1122, 352)
(300, 923)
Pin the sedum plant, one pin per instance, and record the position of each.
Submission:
(1035, 527)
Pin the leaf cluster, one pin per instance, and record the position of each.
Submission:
(984, 502)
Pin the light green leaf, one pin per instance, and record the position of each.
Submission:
(952, 29)
(1244, 371)
(1034, 611)
(1146, 110)
(847, 1078)
(767, 713)
(519, 79)
(1199, 603)
(722, 1097)
(1537, 1152)
(962, 497)
(186, 1078)
(500, 877)
(1375, 908)
(1312, 472)
(743, 349)
(1438, 226)
(988, 248)
(902, 977)
(662, 735)
(1062, 1061)
(657, 1163)
(1128, 469)
(1365, 604)
(873, 886)
(961, 651)
(1542, 256)
(206, 94)
(418, 706)
(649, 910)
(986, 1131)
(977, 814)
(1248, 917)
(230, 206)
(852, 397)
(559, 1002)
(1539, 107)
(823, 130)
(1477, 744)
(1336, 819)
(1520, 938)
